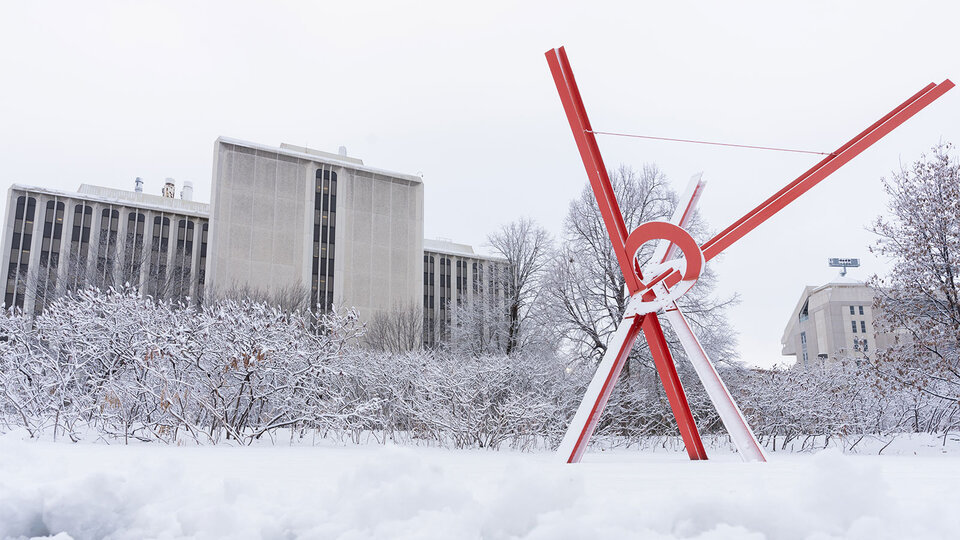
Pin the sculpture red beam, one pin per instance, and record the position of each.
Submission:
(590, 154)
(617, 229)
(826, 167)
(673, 277)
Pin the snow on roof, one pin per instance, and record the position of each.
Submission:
(319, 157)
(845, 280)
(841, 281)
(452, 248)
(122, 197)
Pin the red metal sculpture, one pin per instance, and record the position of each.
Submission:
(658, 285)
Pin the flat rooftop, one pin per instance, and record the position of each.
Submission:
(122, 197)
(318, 156)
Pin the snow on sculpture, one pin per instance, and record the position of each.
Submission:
(657, 286)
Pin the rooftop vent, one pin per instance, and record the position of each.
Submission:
(169, 189)
(186, 193)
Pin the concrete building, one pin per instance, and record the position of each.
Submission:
(454, 276)
(831, 323)
(55, 240)
(283, 222)
(290, 218)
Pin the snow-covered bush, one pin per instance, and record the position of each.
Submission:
(114, 366)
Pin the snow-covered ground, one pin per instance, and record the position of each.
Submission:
(85, 491)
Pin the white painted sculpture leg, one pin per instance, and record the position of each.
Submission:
(730, 414)
(681, 216)
(581, 428)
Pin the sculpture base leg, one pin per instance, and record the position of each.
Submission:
(671, 384)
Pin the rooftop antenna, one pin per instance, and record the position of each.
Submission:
(837, 262)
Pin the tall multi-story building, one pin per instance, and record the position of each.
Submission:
(291, 218)
(58, 240)
(455, 276)
(283, 221)
(831, 323)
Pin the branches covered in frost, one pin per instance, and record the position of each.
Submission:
(121, 368)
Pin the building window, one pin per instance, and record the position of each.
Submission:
(202, 263)
(80, 243)
(446, 278)
(477, 278)
(324, 238)
(865, 346)
(183, 259)
(20, 251)
(49, 254)
(157, 285)
(863, 326)
(856, 344)
(852, 308)
(861, 309)
(461, 281)
(429, 319)
(107, 247)
(853, 325)
(803, 347)
(133, 249)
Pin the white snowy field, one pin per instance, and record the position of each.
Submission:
(86, 491)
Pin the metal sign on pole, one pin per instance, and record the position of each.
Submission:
(843, 263)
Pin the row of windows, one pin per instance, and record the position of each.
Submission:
(20, 251)
(104, 272)
(324, 237)
(854, 309)
(107, 252)
(446, 278)
(863, 326)
(49, 253)
(461, 279)
(429, 269)
(438, 270)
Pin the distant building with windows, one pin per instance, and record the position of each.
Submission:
(831, 323)
(55, 241)
(282, 221)
(455, 276)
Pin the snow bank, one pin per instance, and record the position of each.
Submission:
(63, 491)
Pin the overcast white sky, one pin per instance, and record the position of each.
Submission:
(104, 92)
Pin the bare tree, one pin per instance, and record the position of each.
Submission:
(527, 248)
(588, 286)
(399, 330)
(478, 327)
(919, 301)
(289, 298)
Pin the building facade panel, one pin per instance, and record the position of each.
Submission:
(292, 218)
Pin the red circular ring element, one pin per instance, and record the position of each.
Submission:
(657, 230)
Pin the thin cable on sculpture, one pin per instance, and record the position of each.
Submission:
(753, 147)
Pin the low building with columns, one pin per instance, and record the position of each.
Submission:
(455, 276)
(55, 241)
